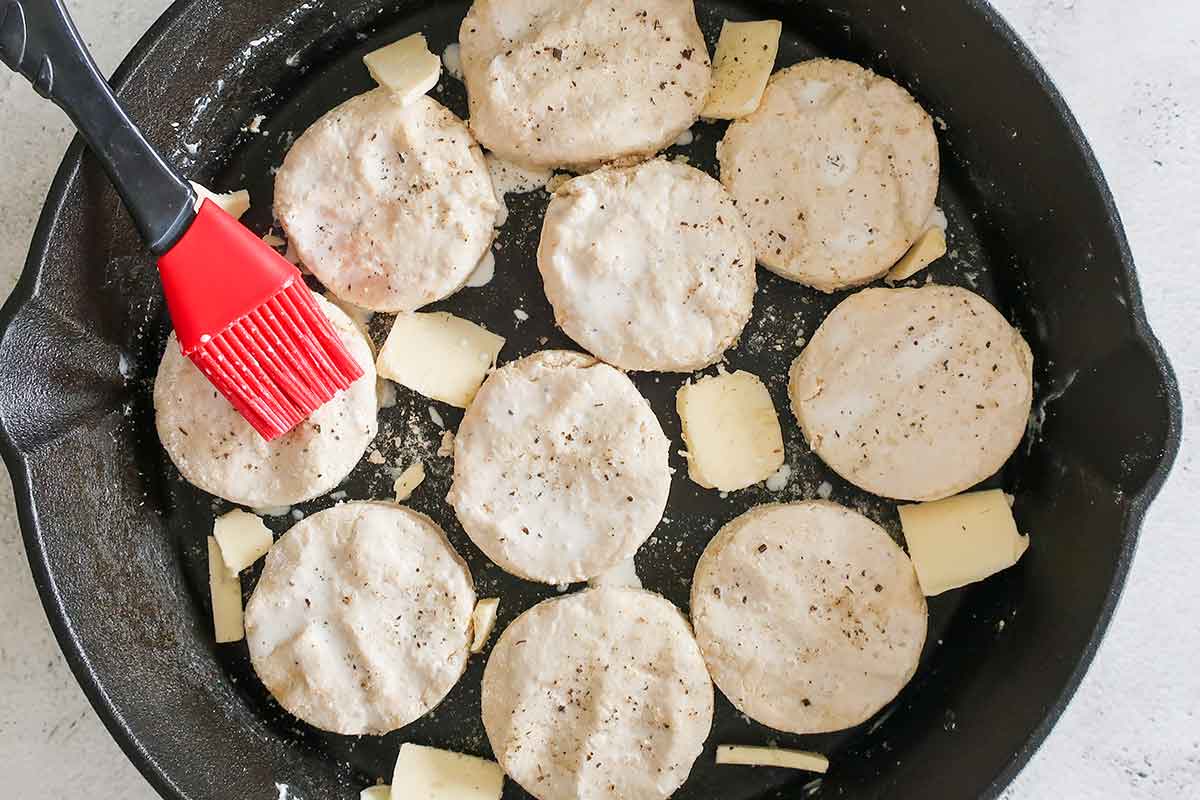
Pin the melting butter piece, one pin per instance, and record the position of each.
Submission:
(243, 539)
(439, 355)
(383, 792)
(483, 619)
(431, 774)
(929, 248)
(412, 477)
(742, 65)
(772, 757)
(961, 540)
(235, 204)
(406, 68)
(731, 431)
(226, 591)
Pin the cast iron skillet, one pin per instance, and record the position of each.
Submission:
(115, 538)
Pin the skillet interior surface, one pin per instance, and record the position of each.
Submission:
(116, 538)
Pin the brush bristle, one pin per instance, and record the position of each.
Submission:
(279, 363)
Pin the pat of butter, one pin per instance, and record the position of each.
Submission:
(731, 431)
(961, 539)
(383, 792)
(439, 355)
(742, 65)
(406, 68)
(243, 539)
(446, 448)
(929, 248)
(226, 591)
(772, 757)
(235, 204)
(431, 774)
(483, 619)
(412, 477)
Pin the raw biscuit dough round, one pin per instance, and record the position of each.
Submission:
(391, 207)
(809, 616)
(648, 267)
(914, 394)
(556, 84)
(599, 694)
(216, 450)
(836, 173)
(560, 468)
(361, 621)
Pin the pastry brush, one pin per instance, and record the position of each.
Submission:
(241, 312)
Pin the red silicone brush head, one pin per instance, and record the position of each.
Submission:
(244, 317)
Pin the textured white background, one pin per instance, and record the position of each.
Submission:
(1130, 69)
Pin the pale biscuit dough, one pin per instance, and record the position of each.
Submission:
(648, 267)
(600, 694)
(390, 206)
(809, 616)
(361, 621)
(560, 468)
(915, 394)
(556, 84)
(216, 450)
(836, 173)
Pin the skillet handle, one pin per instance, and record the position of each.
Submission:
(38, 40)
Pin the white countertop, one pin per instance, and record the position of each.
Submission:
(1131, 73)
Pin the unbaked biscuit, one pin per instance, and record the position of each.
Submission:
(390, 206)
(648, 267)
(361, 621)
(836, 173)
(560, 468)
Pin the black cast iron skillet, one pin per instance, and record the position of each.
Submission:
(116, 540)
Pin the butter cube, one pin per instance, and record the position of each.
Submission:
(483, 619)
(383, 792)
(412, 477)
(731, 431)
(742, 65)
(243, 539)
(772, 757)
(226, 591)
(431, 774)
(961, 539)
(406, 68)
(929, 248)
(235, 204)
(439, 355)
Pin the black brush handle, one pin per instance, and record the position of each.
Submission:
(38, 40)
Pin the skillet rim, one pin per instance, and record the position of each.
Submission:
(16, 459)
